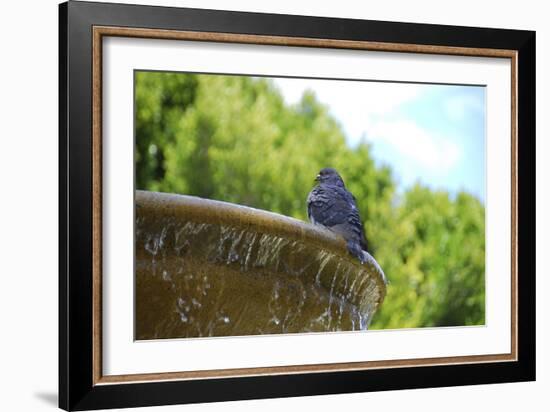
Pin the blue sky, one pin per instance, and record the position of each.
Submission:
(434, 134)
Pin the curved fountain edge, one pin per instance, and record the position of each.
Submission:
(262, 221)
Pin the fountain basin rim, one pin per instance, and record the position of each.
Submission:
(203, 210)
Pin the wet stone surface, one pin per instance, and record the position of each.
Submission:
(207, 268)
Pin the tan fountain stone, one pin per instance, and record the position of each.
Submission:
(210, 268)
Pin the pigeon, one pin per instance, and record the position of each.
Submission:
(331, 205)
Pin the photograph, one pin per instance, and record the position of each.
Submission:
(276, 205)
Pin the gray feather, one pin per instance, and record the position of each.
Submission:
(330, 204)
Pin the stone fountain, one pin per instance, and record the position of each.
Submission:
(210, 268)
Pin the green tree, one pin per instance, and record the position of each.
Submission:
(160, 101)
(435, 257)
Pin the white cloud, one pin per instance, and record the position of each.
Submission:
(374, 110)
(353, 103)
(375, 97)
(428, 150)
(460, 106)
(411, 141)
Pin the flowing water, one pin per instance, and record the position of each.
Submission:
(207, 268)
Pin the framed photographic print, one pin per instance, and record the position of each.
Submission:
(256, 205)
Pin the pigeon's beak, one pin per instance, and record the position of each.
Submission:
(318, 178)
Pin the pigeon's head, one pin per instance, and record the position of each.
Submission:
(330, 176)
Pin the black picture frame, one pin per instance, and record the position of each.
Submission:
(77, 390)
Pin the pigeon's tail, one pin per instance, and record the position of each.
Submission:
(355, 249)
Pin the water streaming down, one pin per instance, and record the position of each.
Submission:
(209, 268)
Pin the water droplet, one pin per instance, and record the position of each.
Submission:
(151, 245)
(232, 257)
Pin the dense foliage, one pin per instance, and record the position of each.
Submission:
(233, 138)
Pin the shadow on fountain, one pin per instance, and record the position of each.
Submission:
(210, 268)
